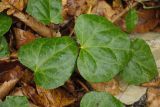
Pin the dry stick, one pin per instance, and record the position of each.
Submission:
(35, 25)
(123, 12)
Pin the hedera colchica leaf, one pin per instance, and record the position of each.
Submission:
(131, 19)
(4, 50)
(100, 99)
(46, 11)
(5, 24)
(104, 48)
(141, 67)
(51, 59)
(15, 101)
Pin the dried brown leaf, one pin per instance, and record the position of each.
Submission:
(12, 73)
(147, 26)
(6, 87)
(27, 77)
(13, 5)
(48, 98)
(23, 37)
(104, 9)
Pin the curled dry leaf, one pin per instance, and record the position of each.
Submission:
(6, 87)
(31, 93)
(49, 98)
(23, 37)
(153, 97)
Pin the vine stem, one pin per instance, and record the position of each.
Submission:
(124, 12)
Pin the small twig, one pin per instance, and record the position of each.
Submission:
(124, 12)
(84, 86)
(35, 25)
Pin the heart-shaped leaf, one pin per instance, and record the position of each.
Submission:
(104, 48)
(15, 101)
(141, 67)
(100, 99)
(46, 11)
(51, 59)
(4, 50)
(5, 23)
(131, 20)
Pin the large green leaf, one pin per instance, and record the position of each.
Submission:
(46, 11)
(131, 20)
(5, 23)
(15, 101)
(100, 99)
(104, 48)
(51, 59)
(142, 67)
(4, 50)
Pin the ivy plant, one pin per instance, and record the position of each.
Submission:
(15, 101)
(46, 11)
(51, 59)
(131, 20)
(104, 51)
(4, 50)
(5, 24)
(100, 99)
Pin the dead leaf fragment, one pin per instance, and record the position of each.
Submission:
(13, 73)
(131, 94)
(12, 5)
(6, 87)
(111, 87)
(48, 98)
(104, 9)
(62, 98)
(23, 37)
